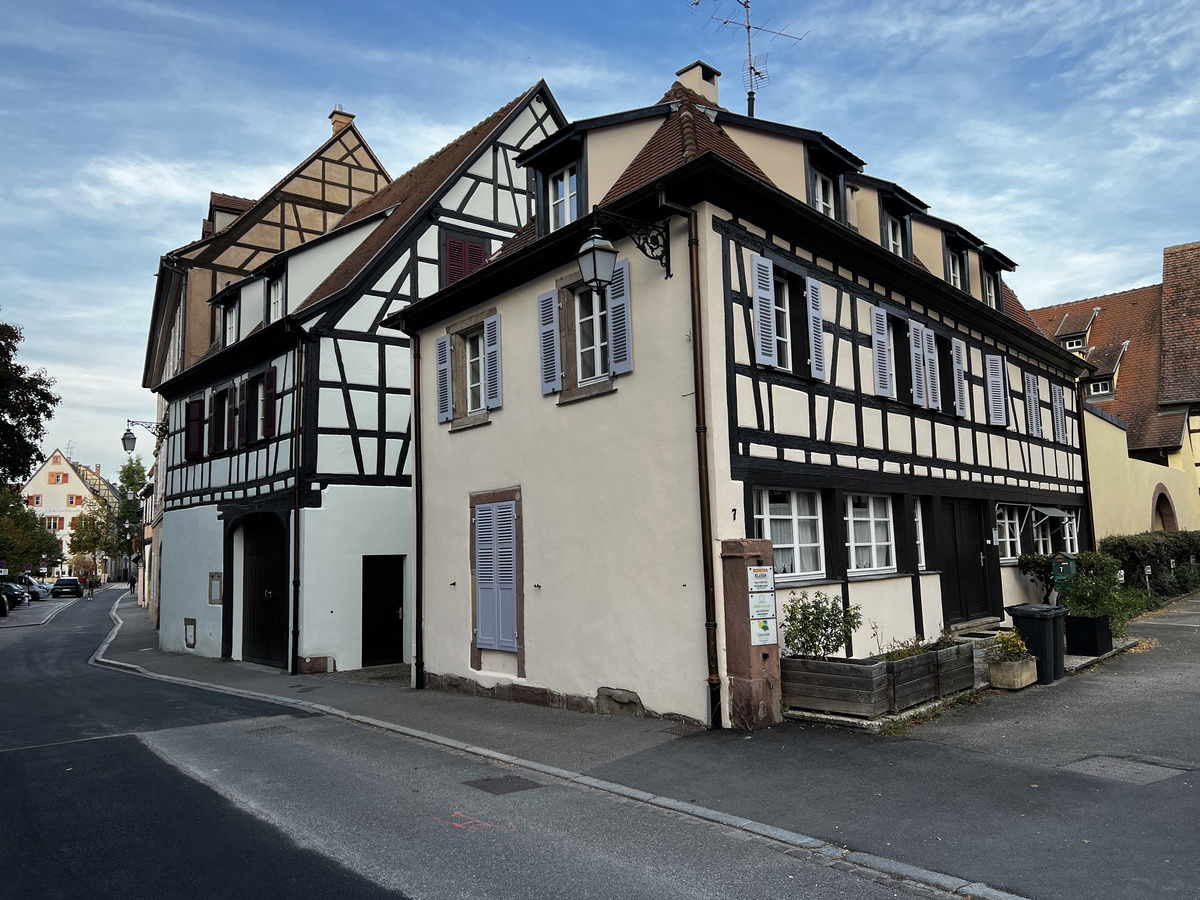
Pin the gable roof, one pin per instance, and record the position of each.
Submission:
(413, 192)
(1133, 317)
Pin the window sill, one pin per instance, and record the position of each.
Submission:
(875, 574)
(474, 420)
(792, 580)
(587, 391)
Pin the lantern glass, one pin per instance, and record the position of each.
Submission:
(597, 260)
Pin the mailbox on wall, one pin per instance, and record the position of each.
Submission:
(1062, 567)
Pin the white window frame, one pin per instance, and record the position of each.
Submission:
(762, 523)
(954, 269)
(783, 325)
(1008, 529)
(598, 349)
(1102, 386)
(1042, 542)
(229, 316)
(918, 525)
(875, 549)
(474, 353)
(275, 299)
(823, 201)
(1070, 533)
(990, 293)
(1073, 343)
(563, 199)
(895, 235)
(891, 356)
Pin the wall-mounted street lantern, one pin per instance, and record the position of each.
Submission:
(598, 258)
(129, 439)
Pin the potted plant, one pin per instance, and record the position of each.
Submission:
(1040, 570)
(1093, 602)
(1010, 664)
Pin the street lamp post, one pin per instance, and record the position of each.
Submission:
(129, 439)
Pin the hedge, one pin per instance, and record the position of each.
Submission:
(1156, 549)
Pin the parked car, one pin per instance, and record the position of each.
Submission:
(13, 595)
(37, 590)
(67, 587)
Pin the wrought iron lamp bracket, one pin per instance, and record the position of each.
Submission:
(653, 240)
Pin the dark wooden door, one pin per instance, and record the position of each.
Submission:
(962, 559)
(382, 610)
(264, 591)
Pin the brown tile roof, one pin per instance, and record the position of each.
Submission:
(1181, 324)
(229, 202)
(1133, 316)
(684, 135)
(525, 236)
(1015, 310)
(409, 193)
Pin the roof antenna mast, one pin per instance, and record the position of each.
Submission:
(754, 69)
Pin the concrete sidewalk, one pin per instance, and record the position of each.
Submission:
(1053, 791)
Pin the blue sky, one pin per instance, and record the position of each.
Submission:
(1065, 134)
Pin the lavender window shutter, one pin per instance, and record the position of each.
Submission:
(879, 341)
(441, 355)
(916, 346)
(491, 362)
(1033, 406)
(551, 367)
(487, 618)
(959, 349)
(816, 332)
(1060, 414)
(620, 337)
(933, 383)
(996, 394)
(506, 575)
(763, 295)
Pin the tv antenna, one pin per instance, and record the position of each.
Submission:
(754, 69)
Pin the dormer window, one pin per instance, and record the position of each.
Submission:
(1100, 386)
(895, 236)
(229, 316)
(956, 264)
(275, 304)
(822, 197)
(1073, 343)
(564, 197)
(954, 270)
(991, 290)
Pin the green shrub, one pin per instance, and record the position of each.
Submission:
(1040, 570)
(818, 627)
(1008, 647)
(1093, 589)
(1156, 549)
(914, 646)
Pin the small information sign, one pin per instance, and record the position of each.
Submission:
(3, 567)
(762, 606)
(761, 579)
(762, 632)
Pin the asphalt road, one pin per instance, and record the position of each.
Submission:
(112, 785)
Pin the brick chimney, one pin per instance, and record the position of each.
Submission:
(340, 118)
(97, 468)
(701, 78)
(1180, 324)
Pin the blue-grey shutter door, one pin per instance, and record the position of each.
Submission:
(1060, 414)
(879, 341)
(933, 383)
(763, 295)
(1033, 406)
(492, 394)
(620, 334)
(487, 611)
(916, 348)
(445, 411)
(548, 342)
(997, 401)
(959, 349)
(506, 574)
(816, 332)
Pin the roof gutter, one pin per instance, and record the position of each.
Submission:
(715, 713)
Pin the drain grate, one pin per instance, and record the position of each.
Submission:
(506, 784)
(1127, 770)
(271, 731)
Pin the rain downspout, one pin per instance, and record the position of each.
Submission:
(297, 416)
(706, 534)
(418, 515)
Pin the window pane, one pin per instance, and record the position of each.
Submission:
(862, 557)
(807, 531)
(784, 560)
(780, 503)
(781, 531)
(810, 559)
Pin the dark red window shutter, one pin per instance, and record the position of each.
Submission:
(212, 423)
(194, 440)
(456, 259)
(241, 425)
(475, 257)
(268, 413)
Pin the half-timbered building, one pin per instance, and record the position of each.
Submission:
(815, 360)
(287, 461)
(59, 490)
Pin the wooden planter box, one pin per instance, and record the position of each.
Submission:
(1088, 635)
(1012, 675)
(870, 688)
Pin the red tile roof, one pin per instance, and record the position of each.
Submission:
(1013, 308)
(229, 202)
(1133, 316)
(409, 193)
(684, 135)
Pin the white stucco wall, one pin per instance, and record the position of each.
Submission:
(352, 522)
(190, 549)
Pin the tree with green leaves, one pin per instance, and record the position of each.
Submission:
(92, 534)
(128, 514)
(23, 539)
(26, 404)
